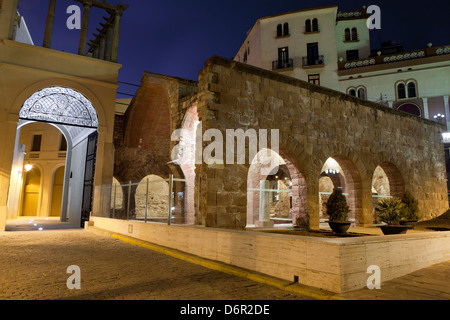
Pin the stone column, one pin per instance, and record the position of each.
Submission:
(425, 108)
(264, 205)
(115, 40)
(49, 24)
(84, 28)
(447, 112)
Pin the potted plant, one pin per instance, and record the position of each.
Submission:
(391, 211)
(337, 209)
(411, 210)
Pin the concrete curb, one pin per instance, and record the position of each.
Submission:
(314, 293)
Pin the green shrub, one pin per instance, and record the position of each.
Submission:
(411, 207)
(337, 207)
(391, 211)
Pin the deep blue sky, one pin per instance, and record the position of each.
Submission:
(176, 37)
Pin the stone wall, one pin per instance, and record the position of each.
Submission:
(314, 124)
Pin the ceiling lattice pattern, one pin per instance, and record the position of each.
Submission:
(60, 105)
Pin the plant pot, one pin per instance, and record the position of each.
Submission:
(394, 229)
(409, 223)
(339, 227)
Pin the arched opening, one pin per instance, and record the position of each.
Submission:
(387, 182)
(276, 192)
(308, 27)
(315, 25)
(347, 34)
(410, 108)
(401, 91)
(57, 126)
(354, 34)
(339, 172)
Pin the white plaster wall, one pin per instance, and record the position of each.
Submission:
(76, 182)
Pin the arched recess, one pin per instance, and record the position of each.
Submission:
(57, 192)
(151, 198)
(331, 177)
(32, 193)
(349, 180)
(287, 203)
(387, 182)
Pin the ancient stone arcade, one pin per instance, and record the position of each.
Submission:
(326, 140)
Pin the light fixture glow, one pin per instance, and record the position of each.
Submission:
(28, 167)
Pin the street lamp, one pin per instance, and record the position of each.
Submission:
(439, 117)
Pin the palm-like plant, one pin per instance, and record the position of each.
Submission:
(337, 207)
(391, 210)
(411, 207)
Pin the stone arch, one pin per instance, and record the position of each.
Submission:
(387, 182)
(286, 174)
(352, 186)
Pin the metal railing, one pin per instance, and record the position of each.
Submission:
(282, 64)
(149, 200)
(313, 61)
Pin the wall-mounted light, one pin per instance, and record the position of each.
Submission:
(28, 167)
(332, 171)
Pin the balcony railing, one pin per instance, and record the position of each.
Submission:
(282, 64)
(311, 61)
(396, 57)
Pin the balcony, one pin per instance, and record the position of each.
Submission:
(313, 62)
(434, 53)
(283, 64)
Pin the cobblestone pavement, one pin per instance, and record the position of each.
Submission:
(34, 267)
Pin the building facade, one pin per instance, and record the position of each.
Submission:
(332, 48)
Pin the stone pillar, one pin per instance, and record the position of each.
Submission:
(49, 24)
(115, 40)
(84, 28)
(447, 112)
(425, 108)
(264, 206)
(312, 202)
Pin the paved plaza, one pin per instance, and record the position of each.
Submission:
(34, 267)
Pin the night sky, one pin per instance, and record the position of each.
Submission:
(176, 37)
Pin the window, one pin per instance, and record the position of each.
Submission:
(362, 93)
(347, 34)
(352, 55)
(36, 143)
(412, 90)
(313, 53)
(315, 25)
(314, 79)
(308, 26)
(63, 144)
(279, 30)
(401, 91)
(286, 29)
(283, 57)
(352, 92)
(354, 34)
